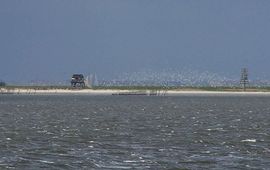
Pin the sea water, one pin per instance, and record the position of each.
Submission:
(134, 132)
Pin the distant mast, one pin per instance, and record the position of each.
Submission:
(244, 78)
(95, 80)
(88, 82)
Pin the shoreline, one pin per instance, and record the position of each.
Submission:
(20, 91)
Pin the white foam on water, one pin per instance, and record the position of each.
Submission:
(266, 149)
(161, 150)
(216, 129)
(236, 120)
(249, 140)
(113, 167)
(129, 161)
(47, 162)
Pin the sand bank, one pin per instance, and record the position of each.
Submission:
(124, 92)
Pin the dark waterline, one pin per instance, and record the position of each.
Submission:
(134, 132)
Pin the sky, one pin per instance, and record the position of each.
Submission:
(52, 39)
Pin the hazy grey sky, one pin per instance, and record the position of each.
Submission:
(50, 39)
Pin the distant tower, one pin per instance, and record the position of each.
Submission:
(244, 78)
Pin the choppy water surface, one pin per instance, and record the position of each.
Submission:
(134, 132)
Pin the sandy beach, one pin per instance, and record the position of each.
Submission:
(123, 92)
